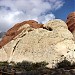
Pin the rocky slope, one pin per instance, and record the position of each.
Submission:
(30, 41)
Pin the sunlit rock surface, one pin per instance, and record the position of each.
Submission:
(51, 42)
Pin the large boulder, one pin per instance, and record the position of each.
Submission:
(51, 43)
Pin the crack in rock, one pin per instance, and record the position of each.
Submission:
(16, 45)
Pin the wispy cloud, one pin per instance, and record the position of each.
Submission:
(13, 11)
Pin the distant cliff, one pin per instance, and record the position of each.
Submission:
(71, 23)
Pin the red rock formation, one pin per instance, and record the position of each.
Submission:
(13, 32)
(71, 21)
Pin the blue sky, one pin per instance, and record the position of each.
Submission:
(14, 11)
(67, 8)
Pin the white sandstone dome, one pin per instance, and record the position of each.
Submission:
(48, 44)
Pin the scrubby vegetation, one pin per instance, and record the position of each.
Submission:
(4, 64)
(28, 68)
(65, 64)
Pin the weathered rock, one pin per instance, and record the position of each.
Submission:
(71, 23)
(13, 32)
(3, 55)
(51, 43)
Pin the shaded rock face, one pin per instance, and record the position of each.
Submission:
(51, 42)
(71, 23)
(13, 32)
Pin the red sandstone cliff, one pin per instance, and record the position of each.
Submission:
(71, 21)
(13, 32)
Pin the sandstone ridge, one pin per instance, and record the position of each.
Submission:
(13, 32)
(51, 42)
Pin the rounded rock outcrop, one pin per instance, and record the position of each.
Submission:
(51, 43)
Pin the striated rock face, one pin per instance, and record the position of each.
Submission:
(71, 23)
(13, 32)
(51, 42)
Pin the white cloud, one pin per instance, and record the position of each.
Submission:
(13, 11)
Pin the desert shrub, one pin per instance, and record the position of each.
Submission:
(28, 66)
(39, 65)
(22, 66)
(73, 65)
(64, 64)
(5, 63)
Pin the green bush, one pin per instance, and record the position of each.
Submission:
(38, 65)
(5, 63)
(73, 65)
(64, 64)
(28, 66)
(21, 66)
